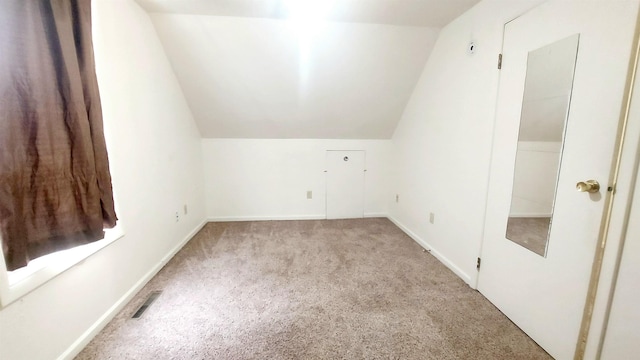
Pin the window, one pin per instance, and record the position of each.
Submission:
(55, 184)
(17, 283)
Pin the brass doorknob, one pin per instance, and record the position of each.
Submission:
(590, 186)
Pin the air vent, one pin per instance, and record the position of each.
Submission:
(152, 297)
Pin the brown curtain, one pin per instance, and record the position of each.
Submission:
(55, 187)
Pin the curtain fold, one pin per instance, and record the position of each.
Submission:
(55, 185)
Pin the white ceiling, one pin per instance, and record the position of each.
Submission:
(252, 75)
(428, 13)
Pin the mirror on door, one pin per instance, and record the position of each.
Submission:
(545, 109)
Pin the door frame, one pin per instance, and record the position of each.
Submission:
(615, 219)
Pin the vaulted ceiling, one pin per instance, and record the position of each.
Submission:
(253, 69)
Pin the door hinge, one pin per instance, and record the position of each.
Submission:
(499, 61)
(478, 264)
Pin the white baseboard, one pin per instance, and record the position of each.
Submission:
(88, 335)
(376, 215)
(266, 218)
(443, 259)
(283, 217)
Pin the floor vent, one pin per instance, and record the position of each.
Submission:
(152, 297)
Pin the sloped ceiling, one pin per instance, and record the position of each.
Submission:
(248, 72)
(427, 13)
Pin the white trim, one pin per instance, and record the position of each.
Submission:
(443, 259)
(266, 218)
(94, 329)
(376, 215)
(284, 217)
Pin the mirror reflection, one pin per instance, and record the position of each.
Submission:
(545, 108)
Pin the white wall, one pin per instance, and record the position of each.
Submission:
(155, 157)
(269, 178)
(443, 141)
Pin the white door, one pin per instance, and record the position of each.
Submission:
(345, 184)
(545, 294)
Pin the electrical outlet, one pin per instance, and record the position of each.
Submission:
(309, 194)
(431, 217)
(397, 197)
(177, 216)
(186, 211)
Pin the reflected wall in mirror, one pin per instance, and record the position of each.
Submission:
(545, 109)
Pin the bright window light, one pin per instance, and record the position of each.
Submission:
(308, 14)
(17, 283)
(61, 259)
(307, 19)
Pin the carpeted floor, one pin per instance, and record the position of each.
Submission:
(336, 289)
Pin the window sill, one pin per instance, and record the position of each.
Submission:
(18, 283)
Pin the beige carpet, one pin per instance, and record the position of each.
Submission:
(338, 289)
